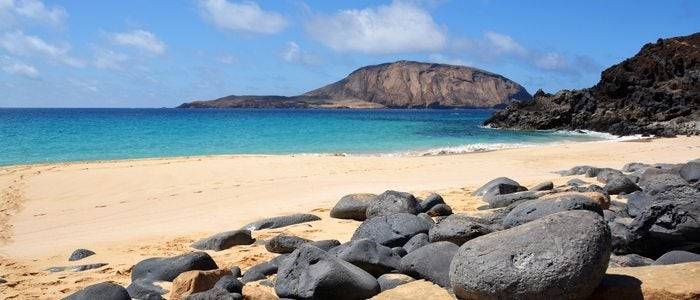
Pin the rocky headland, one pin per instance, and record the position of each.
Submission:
(655, 92)
(401, 84)
(631, 233)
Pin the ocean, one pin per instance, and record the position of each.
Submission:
(57, 135)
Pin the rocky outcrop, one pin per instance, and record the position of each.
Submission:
(401, 84)
(655, 92)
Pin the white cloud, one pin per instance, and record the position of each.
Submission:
(140, 39)
(241, 16)
(108, 59)
(442, 59)
(18, 43)
(292, 53)
(501, 43)
(31, 10)
(14, 67)
(400, 27)
(227, 59)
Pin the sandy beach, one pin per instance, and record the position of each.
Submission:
(132, 209)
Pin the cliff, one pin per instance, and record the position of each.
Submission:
(655, 92)
(402, 84)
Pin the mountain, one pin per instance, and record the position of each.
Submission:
(401, 84)
(655, 92)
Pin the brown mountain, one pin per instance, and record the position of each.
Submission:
(401, 84)
(655, 92)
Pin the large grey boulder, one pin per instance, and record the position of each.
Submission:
(544, 186)
(281, 221)
(457, 229)
(606, 174)
(353, 206)
(535, 209)
(690, 171)
(150, 270)
(264, 269)
(311, 273)
(671, 222)
(79, 254)
(229, 283)
(224, 240)
(439, 210)
(661, 183)
(417, 241)
(676, 257)
(102, 291)
(560, 256)
(578, 170)
(287, 243)
(620, 185)
(499, 186)
(430, 201)
(391, 202)
(496, 201)
(637, 202)
(635, 167)
(392, 230)
(430, 262)
(368, 255)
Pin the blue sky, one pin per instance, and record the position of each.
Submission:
(161, 53)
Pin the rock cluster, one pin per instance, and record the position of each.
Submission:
(554, 243)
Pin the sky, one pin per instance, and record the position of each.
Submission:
(160, 53)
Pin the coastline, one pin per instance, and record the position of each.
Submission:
(126, 210)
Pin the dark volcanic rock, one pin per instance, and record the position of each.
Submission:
(499, 186)
(264, 269)
(147, 271)
(215, 294)
(440, 210)
(508, 199)
(430, 201)
(79, 254)
(102, 291)
(390, 281)
(368, 255)
(619, 185)
(560, 256)
(401, 84)
(654, 92)
(311, 273)
(353, 206)
(282, 221)
(691, 171)
(535, 209)
(78, 268)
(287, 243)
(417, 241)
(230, 284)
(677, 257)
(457, 229)
(391, 202)
(637, 202)
(224, 240)
(606, 174)
(430, 262)
(392, 230)
(671, 222)
(544, 186)
(629, 260)
(661, 182)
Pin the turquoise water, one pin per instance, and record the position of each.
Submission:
(55, 135)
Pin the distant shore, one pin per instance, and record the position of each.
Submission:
(126, 210)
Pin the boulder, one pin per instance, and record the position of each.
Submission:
(427, 217)
(606, 174)
(150, 270)
(430, 262)
(415, 290)
(224, 240)
(457, 229)
(661, 182)
(576, 182)
(281, 221)
(671, 222)
(499, 186)
(262, 270)
(560, 256)
(629, 260)
(391, 202)
(430, 201)
(215, 294)
(311, 273)
(400, 251)
(229, 283)
(259, 290)
(635, 167)
(637, 202)
(535, 209)
(392, 230)
(677, 282)
(102, 291)
(368, 255)
(191, 282)
(578, 170)
(677, 257)
(496, 201)
(440, 210)
(544, 186)
(390, 281)
(79, 254)
(620, 185)
(78, 268)
(288, 243)
(417, 241)
(353, 206)
(621, 236)
(690, 171)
